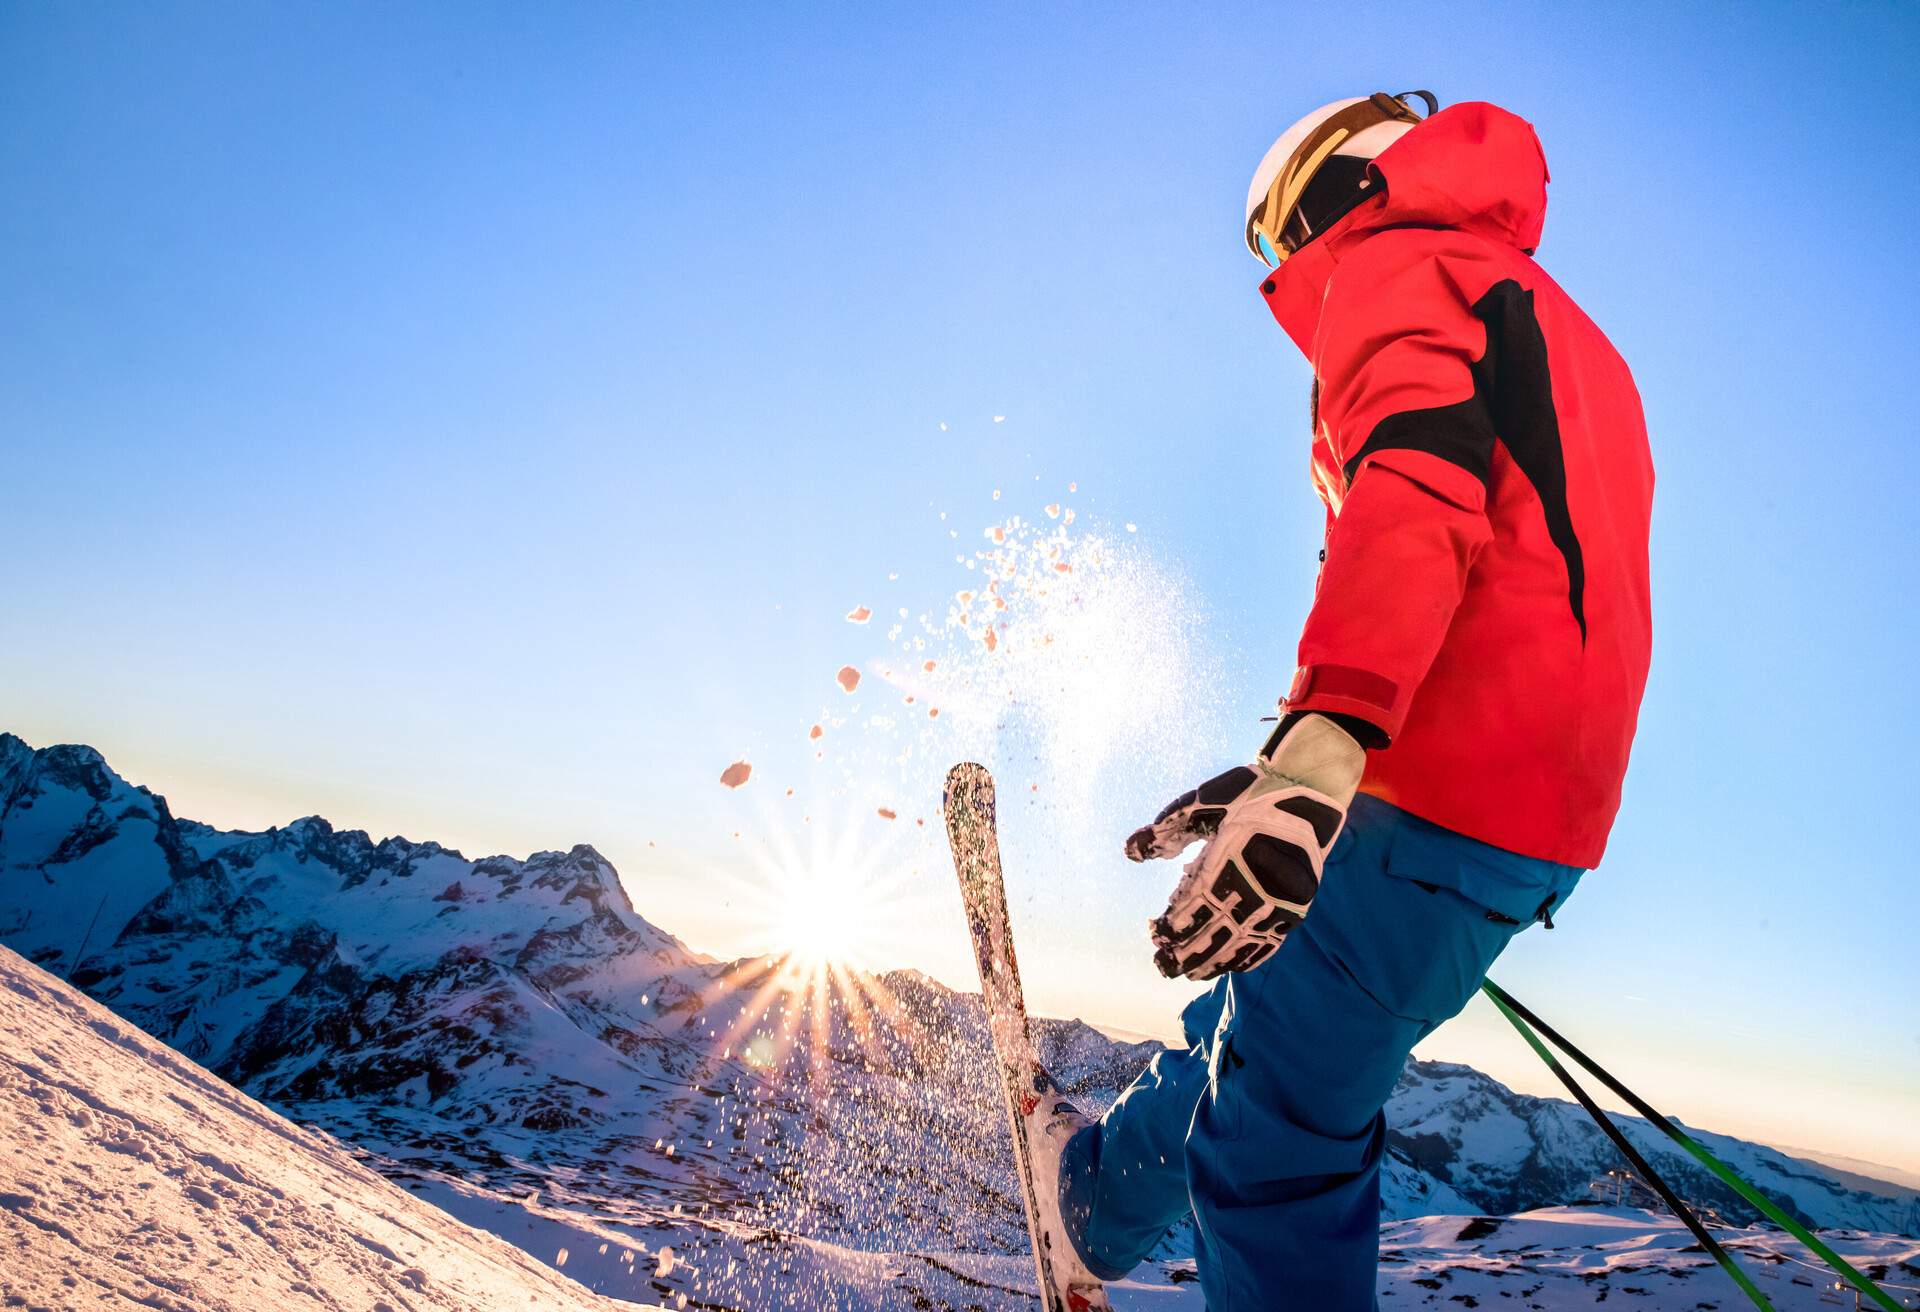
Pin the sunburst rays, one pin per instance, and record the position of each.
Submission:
(836, 901)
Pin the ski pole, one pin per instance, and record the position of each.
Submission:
(1521, 1017)
(1639, 1163)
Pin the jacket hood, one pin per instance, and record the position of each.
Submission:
(1472, 167)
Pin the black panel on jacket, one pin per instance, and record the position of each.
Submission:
(1512, 403)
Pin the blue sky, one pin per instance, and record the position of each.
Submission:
(473, 421)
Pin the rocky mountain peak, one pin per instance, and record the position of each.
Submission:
(71, 766)
(13, 749)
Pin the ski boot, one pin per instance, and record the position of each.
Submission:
(1048, 1120)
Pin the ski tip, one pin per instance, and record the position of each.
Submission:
(970, 774)
(969, 789)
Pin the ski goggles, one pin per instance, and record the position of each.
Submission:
(1279, 227)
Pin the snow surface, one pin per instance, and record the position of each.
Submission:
(134, 1178)
(1568, 1257)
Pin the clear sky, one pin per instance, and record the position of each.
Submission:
(473, 421)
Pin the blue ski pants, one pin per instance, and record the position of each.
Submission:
(1268, 1127)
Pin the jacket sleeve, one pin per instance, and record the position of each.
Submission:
(1402, 405)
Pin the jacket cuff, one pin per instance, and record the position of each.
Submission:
(1347, 690)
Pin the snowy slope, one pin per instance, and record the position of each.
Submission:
(134, 1178)
(1563, 1258)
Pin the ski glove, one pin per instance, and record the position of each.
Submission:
(1268, 828)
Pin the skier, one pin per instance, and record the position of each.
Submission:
(1448, 760)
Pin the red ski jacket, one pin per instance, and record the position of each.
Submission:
(1482, 454)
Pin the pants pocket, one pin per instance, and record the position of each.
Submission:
(1224, 1092)
(1419, 949)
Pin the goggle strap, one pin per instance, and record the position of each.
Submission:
(1296, 176)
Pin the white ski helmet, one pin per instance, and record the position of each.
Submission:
(1353, 131)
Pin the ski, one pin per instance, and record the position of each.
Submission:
(1065, 1283)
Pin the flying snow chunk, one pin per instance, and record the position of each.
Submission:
(849, 678)
(815, 732)
(999, 419)
(886, 814)
(736, 774)
(1053, 511)
(859, 615)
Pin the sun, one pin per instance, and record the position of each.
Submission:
(835, 896)
(833, 907)
(825, 917)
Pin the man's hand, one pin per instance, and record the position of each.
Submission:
(1268, 828)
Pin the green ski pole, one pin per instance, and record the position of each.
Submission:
(1520, 1016)
(1639, 1163)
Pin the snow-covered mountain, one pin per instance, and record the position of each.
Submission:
(1510, 1152)
(140, 1179)
(515, 1028)
(494, 1029)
